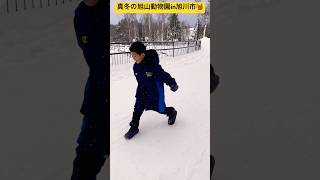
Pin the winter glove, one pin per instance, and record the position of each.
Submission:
(214, 80)
(174, 88)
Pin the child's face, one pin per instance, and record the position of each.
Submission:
(137, 57)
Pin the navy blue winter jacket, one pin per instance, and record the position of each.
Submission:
(151, 77)
(214, 79)
(92, 31)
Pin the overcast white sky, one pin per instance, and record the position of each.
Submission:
(190, 19)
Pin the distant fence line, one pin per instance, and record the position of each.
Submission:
(12, 6)
(119, 53)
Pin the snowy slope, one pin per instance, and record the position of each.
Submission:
(159, 151)
(42, 76)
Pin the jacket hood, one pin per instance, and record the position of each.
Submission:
(151, 56)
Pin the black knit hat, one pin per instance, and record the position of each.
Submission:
(137, 47)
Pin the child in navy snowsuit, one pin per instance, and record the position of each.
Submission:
(91, 23)
(150, 91)
(214, 82)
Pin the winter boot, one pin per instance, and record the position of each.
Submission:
(212, 162)
(172, 114)
(134, 123)
(132, 132)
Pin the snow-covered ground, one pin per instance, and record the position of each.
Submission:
(159, 151)
(42, 76)
(119, 52)
(266, 110)
(116, 48)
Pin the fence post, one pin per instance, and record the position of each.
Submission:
(24, 4)
(16, 5)
(7, 6)
(62, 1)
(48, 3)
(196, 48)
(188, 45)
(56, 2)
(40, 3)
(173, 48)
(32, 3)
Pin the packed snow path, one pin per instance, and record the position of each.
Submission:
(266, 109)
(42, 76)
(159, 151)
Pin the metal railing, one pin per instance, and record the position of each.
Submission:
(12, 6)
(119, 52)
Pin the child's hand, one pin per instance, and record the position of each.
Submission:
(174, 88)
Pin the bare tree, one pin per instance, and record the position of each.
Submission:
(127, 20)
(131, 23)
(206, 20)
(162, 20)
